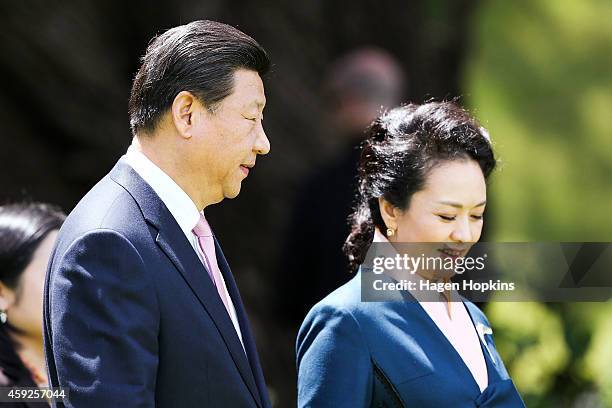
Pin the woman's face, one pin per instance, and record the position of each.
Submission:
(26, 306)
(448, 210)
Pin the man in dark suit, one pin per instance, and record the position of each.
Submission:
(141, 308)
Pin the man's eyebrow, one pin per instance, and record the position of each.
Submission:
(258, 104)
(458, 205)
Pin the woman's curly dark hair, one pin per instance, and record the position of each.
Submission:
(401, 148)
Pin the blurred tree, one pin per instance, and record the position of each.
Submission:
(539, 76)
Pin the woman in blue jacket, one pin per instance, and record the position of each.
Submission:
(422, 178)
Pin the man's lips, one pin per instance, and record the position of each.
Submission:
(246, 168)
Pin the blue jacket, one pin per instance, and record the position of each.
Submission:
(131, 317)
(357, 354)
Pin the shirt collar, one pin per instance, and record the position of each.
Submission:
(379, 237)
(182, 208)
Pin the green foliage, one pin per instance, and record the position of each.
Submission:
(539, 77)
(597, 363)
(530, 338)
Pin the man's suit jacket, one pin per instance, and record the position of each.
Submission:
(358, 354)
(131, 317)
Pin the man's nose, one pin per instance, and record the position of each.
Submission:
(262, 144)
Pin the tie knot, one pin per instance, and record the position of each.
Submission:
(202, 229)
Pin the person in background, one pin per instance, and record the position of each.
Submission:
(358, 86)
(27, 235)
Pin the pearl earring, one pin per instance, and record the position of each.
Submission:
(390, 232)
(3, 316)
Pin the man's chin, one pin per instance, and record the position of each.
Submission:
(233, 192)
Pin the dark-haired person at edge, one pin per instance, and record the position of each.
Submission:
(141, 308)
(422, 179)
(27, 235)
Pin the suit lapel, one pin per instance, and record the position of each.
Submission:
(427, 330)
(176, 247)
(495, 366)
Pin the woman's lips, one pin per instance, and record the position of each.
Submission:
(454, 253)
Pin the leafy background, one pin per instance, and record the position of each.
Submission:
(537, 73)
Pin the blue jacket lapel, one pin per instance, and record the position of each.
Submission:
(485, 335)
(173, 243)
(427, 329)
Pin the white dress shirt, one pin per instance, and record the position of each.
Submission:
(459, 330)
(182, 208)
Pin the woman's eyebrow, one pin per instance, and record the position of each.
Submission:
(458, 205)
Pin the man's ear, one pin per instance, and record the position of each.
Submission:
(389, 213)
(183, 110)
(7, 297)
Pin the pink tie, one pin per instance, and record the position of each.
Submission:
(207, 245)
